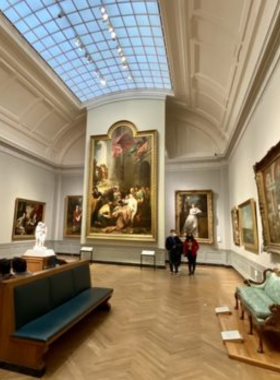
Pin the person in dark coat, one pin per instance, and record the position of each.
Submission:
(190, 248)
(174, 247)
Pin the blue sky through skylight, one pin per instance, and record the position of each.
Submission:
(96, 51)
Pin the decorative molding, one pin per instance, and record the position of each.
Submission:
(266, 67)
(127, 95)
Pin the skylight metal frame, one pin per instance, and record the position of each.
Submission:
(51, 28)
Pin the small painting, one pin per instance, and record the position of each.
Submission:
(26, 217)
(248, 225)
(235, 225)
(194, 214)
(73, 216)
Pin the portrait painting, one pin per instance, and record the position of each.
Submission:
(26, 217)
(235, 225)
(248, 225)
(267, 176)
(194, 214)
(73, 216)
(122, 184)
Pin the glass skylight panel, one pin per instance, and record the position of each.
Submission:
(96, 47)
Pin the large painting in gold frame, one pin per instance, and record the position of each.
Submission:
(267, 175)
(194, 214)
(123, 184)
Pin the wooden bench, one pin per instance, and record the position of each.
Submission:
(36, 310)
(261, 301)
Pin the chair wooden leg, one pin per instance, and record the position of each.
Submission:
(250, 325)
(236, 301)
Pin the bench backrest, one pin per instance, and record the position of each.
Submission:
(272, 287)
(37, 297)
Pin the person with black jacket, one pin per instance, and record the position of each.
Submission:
(174, 246)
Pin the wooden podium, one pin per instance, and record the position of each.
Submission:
(37, 261)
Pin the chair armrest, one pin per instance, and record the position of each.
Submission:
(262, 283)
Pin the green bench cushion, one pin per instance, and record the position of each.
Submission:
(256, 300)
(272, 288)
(48, 325)
(31, 301)
(38, 297)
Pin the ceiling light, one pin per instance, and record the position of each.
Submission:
(103, 81)
(123, 58)
(119, 49)
(110, 28)
(125, 66)
(105, 17)
(78, 42)
(102, 10)
(129, 77)
(113, 35)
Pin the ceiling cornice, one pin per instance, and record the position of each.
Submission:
(267, 65)
(24, 46)
(128, 95)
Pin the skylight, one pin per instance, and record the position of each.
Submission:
(96, 47)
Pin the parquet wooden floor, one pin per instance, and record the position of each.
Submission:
(160, 327)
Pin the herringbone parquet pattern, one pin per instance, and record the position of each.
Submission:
(160, 327)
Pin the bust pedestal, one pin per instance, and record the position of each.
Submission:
(37, 259)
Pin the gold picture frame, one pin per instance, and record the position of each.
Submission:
(73, 216)
(235, 225)
(26, 217)
(123, 184)
(194, 214)
(248, 225)
(267, 176)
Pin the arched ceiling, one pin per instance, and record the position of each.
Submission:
(215, 49)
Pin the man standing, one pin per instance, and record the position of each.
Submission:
(174, 246)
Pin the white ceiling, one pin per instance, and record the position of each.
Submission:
(215, 51)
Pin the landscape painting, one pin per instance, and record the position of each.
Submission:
(248, 225)
(122, 184)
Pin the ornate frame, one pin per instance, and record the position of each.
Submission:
(235, 225)
(26, 217)
(203, 202)
(267, 176)
(248, 225)
(123, 184)
(73, 216)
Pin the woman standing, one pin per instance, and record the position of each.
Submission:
(190, 249)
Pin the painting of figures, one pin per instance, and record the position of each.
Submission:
(194, 214)
(267, 175)
(26, 217)
(73, 216)
(122, 189)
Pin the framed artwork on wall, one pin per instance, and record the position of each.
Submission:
(73, 216)
(267, 176)
(26, 217)
(194, 214)
(248, 225)
(235, 225)
(123, 184)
